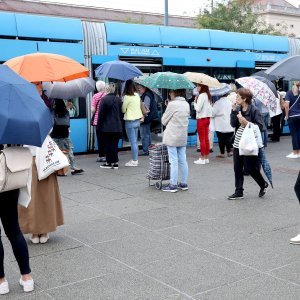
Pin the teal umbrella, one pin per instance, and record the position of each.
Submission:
(167, 80)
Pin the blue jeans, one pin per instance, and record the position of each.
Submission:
(178, 155)
(294, 125)
(132, 128)
(145, 131)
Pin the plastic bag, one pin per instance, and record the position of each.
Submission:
(248, 145)
(49, 159)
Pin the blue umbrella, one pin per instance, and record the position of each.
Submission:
(24, 118)
(219, 92)
(118, 69)
(265, 164)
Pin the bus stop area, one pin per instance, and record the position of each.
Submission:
(125, 240)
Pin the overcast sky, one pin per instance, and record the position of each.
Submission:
(178, 7)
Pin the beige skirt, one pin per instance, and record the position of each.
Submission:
(44, 212)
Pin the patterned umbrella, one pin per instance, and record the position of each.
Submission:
(140, 82)
(260, 91)
(265, 164)
(203, 79)
(167, 80)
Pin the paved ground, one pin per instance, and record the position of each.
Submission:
(125, 240)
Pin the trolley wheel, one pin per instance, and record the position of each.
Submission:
(158, 185)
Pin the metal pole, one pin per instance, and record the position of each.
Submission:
(166, 13)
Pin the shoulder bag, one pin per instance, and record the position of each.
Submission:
(15, 168)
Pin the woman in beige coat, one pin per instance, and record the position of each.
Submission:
(176, 120)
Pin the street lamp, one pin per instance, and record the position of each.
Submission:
(166, 13)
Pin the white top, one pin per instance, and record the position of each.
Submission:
(203, 107)
(221, 113)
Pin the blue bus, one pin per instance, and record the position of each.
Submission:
(152, 48)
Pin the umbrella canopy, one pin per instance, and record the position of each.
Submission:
(268, 76)
(265, 164)
(219, 92)
(288, 69)
(118, 69)
(68, 90)
(167, 80)
(24, 118)
(37, 67)
(260, 91)
(203, 79)
(140, 82)
(269, 83)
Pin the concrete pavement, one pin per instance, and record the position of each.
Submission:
(125, 240)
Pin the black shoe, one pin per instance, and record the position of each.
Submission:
(77, 171)
(144, 154)
(106, 166)
(198, 150)
(235, 196)
(211, 151)
(115, 166)
(263, 190)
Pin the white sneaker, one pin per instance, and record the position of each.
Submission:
(4, 288)
(132, 163)
(207, 161)
(28, 285)
(35, 240)
(292, 155)
(44, 239)
(200, 161)
(295, 240)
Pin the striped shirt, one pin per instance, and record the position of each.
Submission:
(96, 104)
(238, 136)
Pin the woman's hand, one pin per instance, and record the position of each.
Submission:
(242, 120)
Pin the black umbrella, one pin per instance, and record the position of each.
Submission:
(262, 73)
(288, 68)
(268, 83)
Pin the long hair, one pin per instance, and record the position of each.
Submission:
(130, 88)
(60, 108)
(205, 89)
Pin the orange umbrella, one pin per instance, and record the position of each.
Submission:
(37, 67)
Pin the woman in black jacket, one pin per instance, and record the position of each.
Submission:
(242, 113)
(110, 124)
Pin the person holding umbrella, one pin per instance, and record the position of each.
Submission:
(18, 98)
(242, 113)
(148, 99)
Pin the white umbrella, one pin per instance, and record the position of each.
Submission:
(68, 90)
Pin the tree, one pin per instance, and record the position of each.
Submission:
(237, 16)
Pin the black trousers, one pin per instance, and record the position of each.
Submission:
(225, 140)
(297, 187)
(250, 165)
(111, 140)
(276, 123)
(10, 222)
(100, 141)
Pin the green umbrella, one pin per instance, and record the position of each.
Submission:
(167, 80)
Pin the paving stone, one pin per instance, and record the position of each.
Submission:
(142, 248)
(69, 266)
(257, 287)
(196, 271)
(102, 230)
(160, 218)
(127, 284)
(289, 272)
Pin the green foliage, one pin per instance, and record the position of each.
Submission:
(236, 16)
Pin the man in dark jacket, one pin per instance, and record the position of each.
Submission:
(145, 129)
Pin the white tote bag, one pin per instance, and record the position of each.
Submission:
(258, 137)
(49, 159)
(248, 145)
